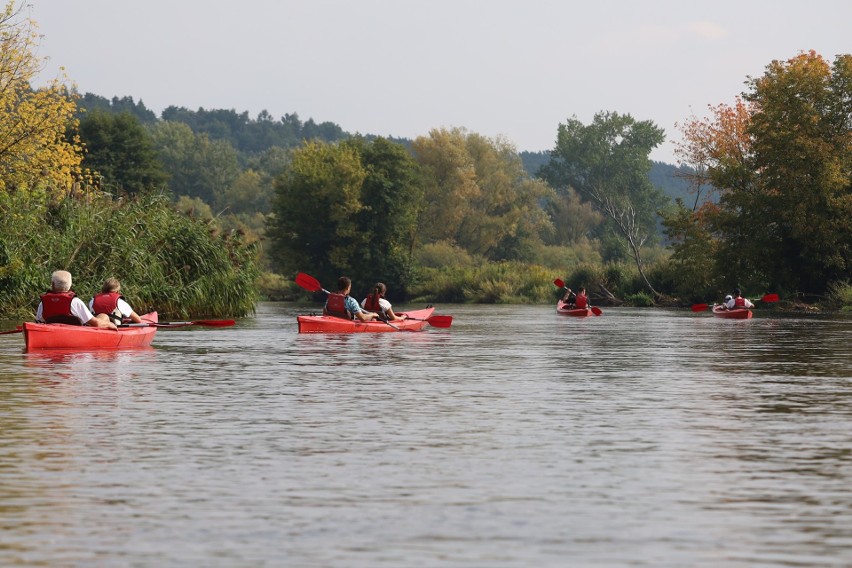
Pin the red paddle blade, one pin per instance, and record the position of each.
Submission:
(559, 283)
(11, 331)
(308, 282)
(440, 321)
(215, 323)
(596, 311)
(699, 307)
(769, 298)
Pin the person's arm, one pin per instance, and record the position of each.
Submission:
(127, 311)
(81, 311)
(39, 312)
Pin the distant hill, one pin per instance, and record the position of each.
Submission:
(253, 135)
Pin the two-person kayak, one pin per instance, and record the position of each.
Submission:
(63, 336)
(415, 320)
(720, 311)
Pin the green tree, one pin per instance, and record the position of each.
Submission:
(197, 166)
(314, 227)
(782, 162)
(120, 151)
(607, 163)
(802, 149)
(478, 195)
(392, 194)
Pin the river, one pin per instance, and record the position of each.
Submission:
(516, 438)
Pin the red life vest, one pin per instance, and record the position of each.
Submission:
(581, 301)
(739, 302)
(56, 308)
(107, 304)
(335, 305)
(372, 303)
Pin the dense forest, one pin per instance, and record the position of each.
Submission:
(761, 201)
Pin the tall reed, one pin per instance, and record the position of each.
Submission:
(167, 261)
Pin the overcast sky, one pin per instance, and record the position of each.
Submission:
(515, 69)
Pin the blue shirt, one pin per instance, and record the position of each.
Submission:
(352, 305)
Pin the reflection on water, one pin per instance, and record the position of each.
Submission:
(515, 438)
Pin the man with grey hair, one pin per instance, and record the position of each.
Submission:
(61, 305)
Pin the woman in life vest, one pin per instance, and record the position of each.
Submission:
(61, 305)
(376, 302)
(112, 303)
(341, 304)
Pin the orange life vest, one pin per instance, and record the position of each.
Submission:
(335, 305)
(56, 308)
(108, 304)
(372, 303)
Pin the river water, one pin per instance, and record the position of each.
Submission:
(516, 438)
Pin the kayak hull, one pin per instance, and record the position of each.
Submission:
(563, 309)
(736, 313)
(331, 324)
(62, 336)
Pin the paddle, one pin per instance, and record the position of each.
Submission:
(595, 310)
(435, 321)
(208, 323)
(12, 331)
(309, 283)
(768, 298)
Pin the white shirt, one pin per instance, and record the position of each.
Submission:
(78, 310)
(733, 302)
(122, 307)
(384, 304)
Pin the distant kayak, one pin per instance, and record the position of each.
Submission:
(63, 336)
(568, 310)
(332, 324)
(721, 311)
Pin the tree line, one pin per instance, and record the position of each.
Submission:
(762, 201)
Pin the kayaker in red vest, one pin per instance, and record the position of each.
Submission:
(376, 302)
(113, 304)
(738, 301)
(342, 305)
(61, 305)
(581, 301)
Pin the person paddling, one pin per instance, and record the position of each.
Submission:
(113, 304)
(581, 300)
(738, 301)
(342, 305)
(61, 305)
(376, 302)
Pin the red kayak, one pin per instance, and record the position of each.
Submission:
(63, 336)
(417, 319)
(721, 311)
(565, 310)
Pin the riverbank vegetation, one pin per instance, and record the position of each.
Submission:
(200, 212)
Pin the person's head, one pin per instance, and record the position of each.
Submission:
(728, 298)
(581, 290)
(111, 285)
(344, 284)
(737, 293)
(380, 289)
(60, 281)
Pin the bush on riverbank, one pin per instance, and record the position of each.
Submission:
(166, 260)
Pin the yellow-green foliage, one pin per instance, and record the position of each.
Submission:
(487, 283)
(35, 155)
(840, 296)
(165, 259)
